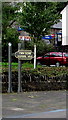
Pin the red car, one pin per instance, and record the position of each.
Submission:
(53, 58)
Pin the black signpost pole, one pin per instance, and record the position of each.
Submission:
(19, 71)
(22, 54)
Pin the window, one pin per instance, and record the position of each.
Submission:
(59, 55)
(46, 55)
(53, 55)
(56, 55)
(66, 55)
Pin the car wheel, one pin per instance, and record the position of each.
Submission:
(38, 63)
(57, 64)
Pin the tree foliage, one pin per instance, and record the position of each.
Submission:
(9, 34)
(37, 17)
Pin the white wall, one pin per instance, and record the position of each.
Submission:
(65, 26)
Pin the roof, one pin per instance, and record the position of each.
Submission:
(65, 9)
(57, 26)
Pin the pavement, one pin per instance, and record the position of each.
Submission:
(43, 104)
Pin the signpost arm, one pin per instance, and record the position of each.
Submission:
(34, 56)
(19, 71)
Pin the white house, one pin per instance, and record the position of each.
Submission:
(64, 13)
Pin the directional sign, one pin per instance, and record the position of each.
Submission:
(24, 54)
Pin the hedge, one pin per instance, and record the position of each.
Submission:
(43, 78)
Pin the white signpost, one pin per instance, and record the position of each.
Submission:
(34, 56)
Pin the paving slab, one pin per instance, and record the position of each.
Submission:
(25, 103)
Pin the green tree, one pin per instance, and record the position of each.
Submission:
(37, 18)
(9, 34)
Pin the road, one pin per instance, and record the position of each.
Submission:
(44, 104)
(61, 113)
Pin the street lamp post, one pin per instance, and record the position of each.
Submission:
(9, 68)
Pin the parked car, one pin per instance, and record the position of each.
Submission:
(53, 58)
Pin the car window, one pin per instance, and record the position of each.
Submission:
(66, 55)
(53, 55)
(46, 55)
(59, 55)
(56, 55)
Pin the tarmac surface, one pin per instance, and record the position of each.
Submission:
(43, 104)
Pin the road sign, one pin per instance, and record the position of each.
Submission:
(24, 54)
(20, 29)
(21, 37)
(27, 38)
(47, 37)
(53, 35)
